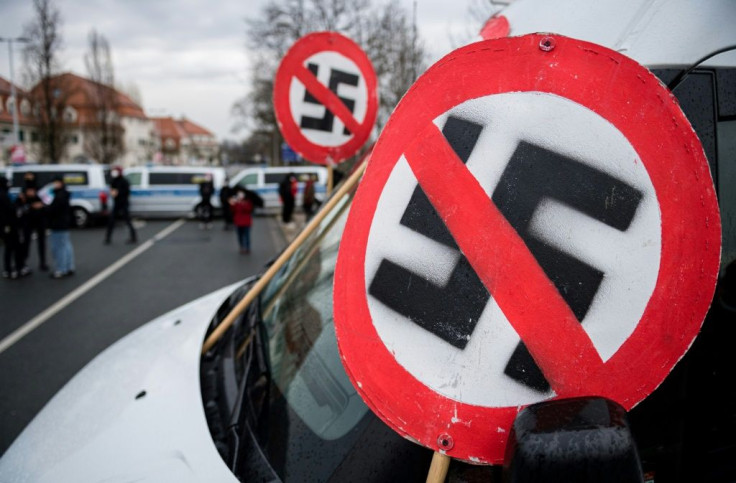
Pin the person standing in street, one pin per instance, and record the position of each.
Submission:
(60, 220)
(226, 192)
(12, 256)
(242, 209)
(120, 193)
(34, 223)
(206, 190)
(286, 191)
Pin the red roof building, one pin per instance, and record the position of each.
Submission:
(183, 141)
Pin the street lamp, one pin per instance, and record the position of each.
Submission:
(10, 41)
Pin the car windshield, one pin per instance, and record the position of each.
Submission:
(314, 409)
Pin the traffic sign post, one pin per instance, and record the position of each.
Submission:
(325, 97)
(538, 221)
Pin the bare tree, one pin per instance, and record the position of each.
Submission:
(103, 136)
(48, 95)
(384, 32)
(397, 54)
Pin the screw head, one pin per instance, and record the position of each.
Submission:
(547, 44)
(445, 441)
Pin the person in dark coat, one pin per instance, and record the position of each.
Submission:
(60, 221)
(13, 258)
(120, 193)
(226, 192)
(206, 190)
(34, 223)
(287, 197)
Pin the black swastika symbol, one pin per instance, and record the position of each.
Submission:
(326, 122)
(532, 175)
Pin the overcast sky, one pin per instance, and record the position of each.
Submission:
(188, 57)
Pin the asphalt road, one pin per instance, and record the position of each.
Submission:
(124, 287)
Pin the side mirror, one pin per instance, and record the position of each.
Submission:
(583, 439)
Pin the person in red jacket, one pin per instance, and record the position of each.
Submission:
(242, 212)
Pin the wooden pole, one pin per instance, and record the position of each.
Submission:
(273, 269)
(438, 468)
(330, 177)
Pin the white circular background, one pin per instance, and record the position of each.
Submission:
(629, 260)
(327, 61)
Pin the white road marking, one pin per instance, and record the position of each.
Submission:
(35, 322)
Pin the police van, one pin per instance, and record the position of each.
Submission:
(87, 185)
(161, 191)
(265, 181)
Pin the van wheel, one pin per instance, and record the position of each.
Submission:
(80, 217)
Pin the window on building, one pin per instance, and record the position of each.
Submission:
(34, 137)
(70, 114)
(25, 107)
(21, 135)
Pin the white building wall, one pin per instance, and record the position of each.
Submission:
(139, 139)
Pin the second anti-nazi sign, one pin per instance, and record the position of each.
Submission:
(325, 97)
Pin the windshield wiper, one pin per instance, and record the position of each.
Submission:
(250, 411)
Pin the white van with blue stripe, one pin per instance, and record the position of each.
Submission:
(86, 183)
(265, 181)
(162, 191)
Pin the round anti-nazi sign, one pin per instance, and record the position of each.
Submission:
(325, 97)
(536, 215)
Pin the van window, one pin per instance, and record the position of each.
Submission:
(275, 177)
(17, 180)
(249, 179)
(134, 178)
(71, 178)
(169, 178)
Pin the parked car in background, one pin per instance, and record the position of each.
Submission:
(265, 181)
(162, 191)
(87, 184)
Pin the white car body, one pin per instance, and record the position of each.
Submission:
(95, 429)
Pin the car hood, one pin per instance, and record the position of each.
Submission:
(134, 413)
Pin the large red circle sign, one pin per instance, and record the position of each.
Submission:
(537, 221)
(325, 97)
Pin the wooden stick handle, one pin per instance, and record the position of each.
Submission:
(438, 468)
(273, 269)
(330, 178)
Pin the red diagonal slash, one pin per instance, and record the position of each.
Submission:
(509, 271)
(328, 98)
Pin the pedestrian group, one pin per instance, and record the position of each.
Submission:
(28, 217)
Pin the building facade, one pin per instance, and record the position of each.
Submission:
(182, 141)
(101, 124)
